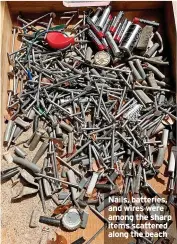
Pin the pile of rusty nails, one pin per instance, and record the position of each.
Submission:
(106, 106)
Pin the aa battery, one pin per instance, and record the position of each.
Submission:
(95, 29)
(124, 29)
(112, 44)
(104, 17)
(95, 16)
(147, 22)
(107, 24)
(27, 164)
(120, 30)
(95, 39)
(116, 22)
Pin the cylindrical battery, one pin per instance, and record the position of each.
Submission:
(104, 17)
(120, 30)
(129, 40)
(112, 44)
(107, 24)
(95, 29)
(95, 39)
(97, 13)
(116, 22)
(124, 29)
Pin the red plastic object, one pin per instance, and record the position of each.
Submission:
(57, 40)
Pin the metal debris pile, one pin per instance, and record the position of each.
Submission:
(100, 90)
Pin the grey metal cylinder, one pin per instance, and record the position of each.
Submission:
(26, 164)
(155, 71)
(140, 68)
(160, 158)
(35, 141)
(58, 131)
(8, 131)
(20, 152)
(66, 127)
(152, 50)
(151, 80)
(22, 123)
(143, 96)
(135, 72)
(72, 178)
(40, 152)
(112, 44)
(70, 142)
(97, 13)
(104, 17)
(129, 40)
